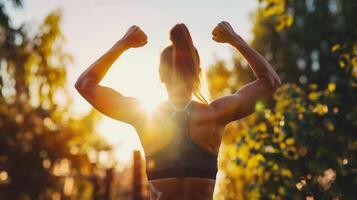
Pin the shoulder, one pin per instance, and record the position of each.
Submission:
(204, 112)
(225, 109)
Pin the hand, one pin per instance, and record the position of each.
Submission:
(134, 37)
(224, 33)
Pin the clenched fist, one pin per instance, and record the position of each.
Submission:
(224, 33)
(134, 37)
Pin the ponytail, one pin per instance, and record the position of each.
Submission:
(185, 59)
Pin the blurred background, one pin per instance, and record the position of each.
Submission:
(300, 145)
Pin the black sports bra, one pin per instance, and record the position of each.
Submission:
(182, 157)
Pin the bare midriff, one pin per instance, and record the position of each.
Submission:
(187, 188)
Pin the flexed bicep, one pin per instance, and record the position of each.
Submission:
(242, 103)
(112, 104)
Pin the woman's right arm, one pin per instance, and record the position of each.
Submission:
(106, 100)
(242, 103)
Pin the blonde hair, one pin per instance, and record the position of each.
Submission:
(184, 60)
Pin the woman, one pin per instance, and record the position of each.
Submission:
(182, 137)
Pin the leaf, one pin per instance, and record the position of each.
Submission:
(289, 20)
(343, 61)
(284, 21)
(313, 96)
(331, 87)
(335, 47)
(354, 61)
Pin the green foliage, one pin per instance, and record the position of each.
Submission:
(43, 151)
(303, 142)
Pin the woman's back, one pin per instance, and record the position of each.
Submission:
(181, 170)
(158, 129)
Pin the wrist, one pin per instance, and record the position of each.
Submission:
(238, 41)
(120, 46)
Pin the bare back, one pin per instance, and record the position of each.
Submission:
(157, 132)
(204, 131)
(188, 188)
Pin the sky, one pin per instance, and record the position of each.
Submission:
(91, 27)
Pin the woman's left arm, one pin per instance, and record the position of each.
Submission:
(242, 103)
(104, 99)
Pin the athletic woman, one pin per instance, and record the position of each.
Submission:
(182, 137)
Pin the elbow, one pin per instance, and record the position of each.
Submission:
(272, 83)
(276, 83)
(274, 86)
(80, 85)
(77, 85)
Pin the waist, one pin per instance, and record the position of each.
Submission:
(180, 173)
(182, 188)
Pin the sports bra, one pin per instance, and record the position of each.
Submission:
(181, 157)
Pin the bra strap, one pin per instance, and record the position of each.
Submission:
(189, 111)
(190, 107)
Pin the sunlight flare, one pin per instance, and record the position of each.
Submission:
(149, 105)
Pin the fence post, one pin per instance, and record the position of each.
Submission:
(109, 177)
(137, 176)
(94, 180)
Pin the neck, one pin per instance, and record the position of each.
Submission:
(179, 103)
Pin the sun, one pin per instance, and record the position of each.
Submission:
(149, 105)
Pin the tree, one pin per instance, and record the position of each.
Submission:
(44, 152)
(302, 143)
